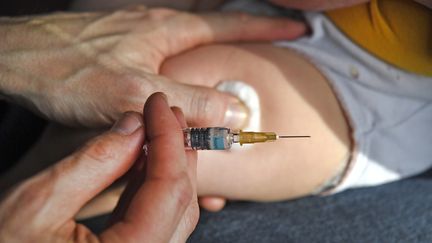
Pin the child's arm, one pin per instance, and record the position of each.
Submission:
(294, 98)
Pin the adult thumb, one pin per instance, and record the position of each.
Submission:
(84, 174)
(205, 106)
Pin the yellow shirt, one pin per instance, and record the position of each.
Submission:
(397, 31)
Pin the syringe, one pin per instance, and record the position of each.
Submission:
(222, 138)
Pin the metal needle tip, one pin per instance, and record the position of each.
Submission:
(293, 136)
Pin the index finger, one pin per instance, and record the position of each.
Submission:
(179, 31)
(238, 26)
(159, 204)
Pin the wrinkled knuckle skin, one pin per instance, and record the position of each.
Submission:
(160, 13)
(133, 85)
(132, 91)
(99, 150)
(203, 107)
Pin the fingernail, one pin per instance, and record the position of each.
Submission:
(128, 124)
(237, 115)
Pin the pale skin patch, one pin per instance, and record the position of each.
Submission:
(295, 99)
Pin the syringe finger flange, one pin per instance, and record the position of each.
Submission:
(208, 138)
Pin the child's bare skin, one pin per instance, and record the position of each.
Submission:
(295, 99)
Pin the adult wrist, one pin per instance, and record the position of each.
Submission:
(26, 44)
(12, 31)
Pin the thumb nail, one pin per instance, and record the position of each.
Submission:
(236, 115)
(128, 123)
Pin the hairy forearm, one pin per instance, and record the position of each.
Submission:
(10, 34)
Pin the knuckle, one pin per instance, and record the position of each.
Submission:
(122, 92)
(133, 85)
(206, 107)
(161, 13)
(98, 150)
(132, 92)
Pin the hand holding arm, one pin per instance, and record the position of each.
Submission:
(87, 69)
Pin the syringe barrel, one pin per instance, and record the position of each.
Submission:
(208, 138)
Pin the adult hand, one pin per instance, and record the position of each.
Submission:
(89, 68)
(159, 204)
